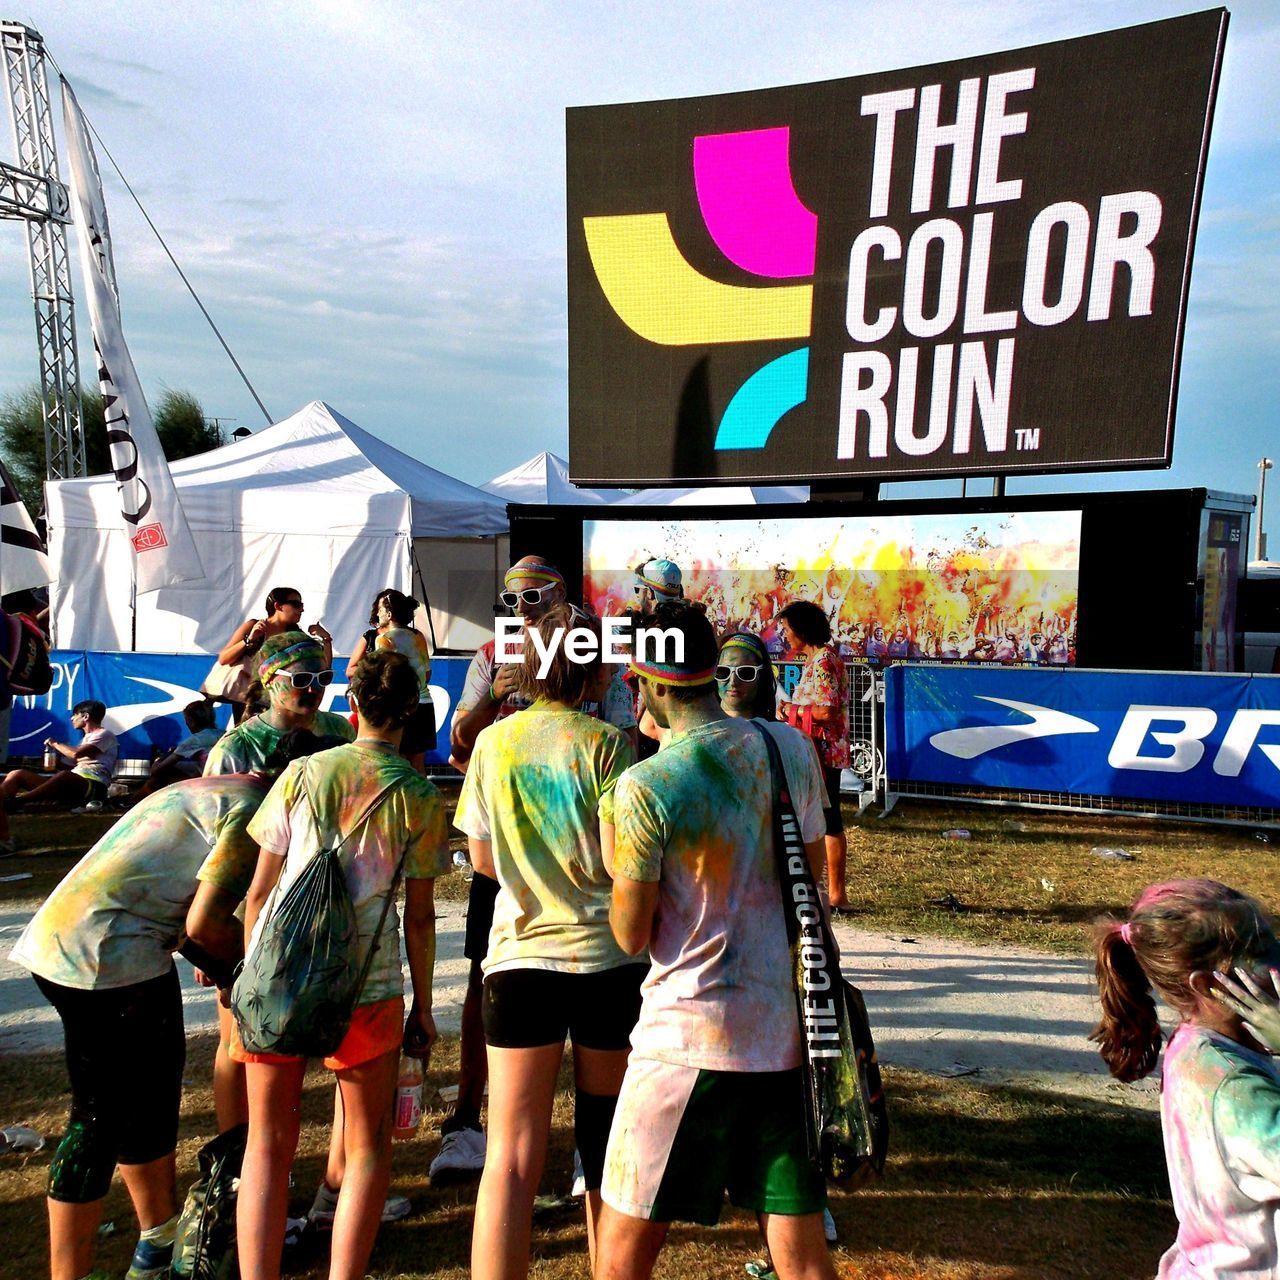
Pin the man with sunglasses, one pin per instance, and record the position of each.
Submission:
(294, 674)
(531, 587)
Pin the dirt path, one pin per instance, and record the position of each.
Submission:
(993, 1014)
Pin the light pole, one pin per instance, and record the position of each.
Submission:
(1259, 536)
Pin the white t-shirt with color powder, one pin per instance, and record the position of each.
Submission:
(698, 819)
(1220, 1111)
(533, 789)
(103, 765)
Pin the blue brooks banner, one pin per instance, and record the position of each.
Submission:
(144, 694)
(1195, 739)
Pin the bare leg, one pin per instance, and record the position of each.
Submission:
(522, 1087)
(599, 1072)
(797, 1247)
(73, 1232)
(626, 1247)
(153, 1189)
(275, 1093)
(336, 1166)
(365, 1137)
(14, 781)
(837, 854)
(230, 1101)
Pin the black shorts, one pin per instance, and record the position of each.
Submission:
(420, 733)
(529, 1008)
(835, 823)
(480, 900)
(125, 1053)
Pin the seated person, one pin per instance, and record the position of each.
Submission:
(83, 775)
(186, 760)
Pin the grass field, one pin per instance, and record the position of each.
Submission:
(983, 1184)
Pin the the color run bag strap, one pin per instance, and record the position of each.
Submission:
(838, 1132)
(360, 824)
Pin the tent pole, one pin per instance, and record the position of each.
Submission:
(426, 601)
(133, 611)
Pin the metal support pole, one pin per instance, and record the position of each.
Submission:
(32, 192)
(1259, 533)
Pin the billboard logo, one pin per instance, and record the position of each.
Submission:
(149, 538)
(753, 215)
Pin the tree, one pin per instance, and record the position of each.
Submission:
(180, 424)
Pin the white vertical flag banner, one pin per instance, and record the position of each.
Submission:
(164, 552)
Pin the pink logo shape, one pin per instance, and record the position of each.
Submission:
(749, 204)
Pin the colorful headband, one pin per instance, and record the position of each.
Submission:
(1126, 932)
(752, 644)
(537, 571)
(268, 667)
(660, 587)
(669, 673)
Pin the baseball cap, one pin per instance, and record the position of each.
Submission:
(663, 576)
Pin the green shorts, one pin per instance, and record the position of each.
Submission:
(682, 1138)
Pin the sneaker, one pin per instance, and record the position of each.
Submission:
(461, 1154)
(94, 806)
(117, 789)
(393, 1209)
(579, 1178)
(760, 1269)
(8, 848)
(829, 1226)
(150, 1261)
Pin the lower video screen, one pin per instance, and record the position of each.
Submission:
(1001, 587)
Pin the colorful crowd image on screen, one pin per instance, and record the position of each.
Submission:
(965, 587)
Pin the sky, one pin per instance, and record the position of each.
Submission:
(370, 200)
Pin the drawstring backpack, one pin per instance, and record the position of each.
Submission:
(297, 989)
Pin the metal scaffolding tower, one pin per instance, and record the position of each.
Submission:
(32, 192)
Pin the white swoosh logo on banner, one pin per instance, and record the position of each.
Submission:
(966, 744)
(122, 719)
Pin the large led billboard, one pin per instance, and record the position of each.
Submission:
(959, 587)
(975, 267)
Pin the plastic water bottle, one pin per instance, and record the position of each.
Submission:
(408, 1105)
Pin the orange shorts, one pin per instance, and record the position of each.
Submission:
(375, 1029)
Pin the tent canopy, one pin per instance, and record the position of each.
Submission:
(543, 480)
(713, 496)
(313, 502)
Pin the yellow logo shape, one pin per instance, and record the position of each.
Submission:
(661, 297)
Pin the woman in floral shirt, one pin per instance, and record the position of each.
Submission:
(819, 706)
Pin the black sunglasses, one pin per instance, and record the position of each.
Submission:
(297, 604)
(305, 679)
(747, 673)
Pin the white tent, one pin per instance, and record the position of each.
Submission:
(313, 502)
(712, 496)
(543, 480)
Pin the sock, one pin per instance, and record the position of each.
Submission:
(163, 1235)
(326, 1198)
(462, 1118)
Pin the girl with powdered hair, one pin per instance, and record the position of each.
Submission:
(1209, 952)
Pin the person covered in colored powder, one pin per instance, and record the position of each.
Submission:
(819, 706)
(530, 807)
(491, 692)
(82, 779)
(293, 673)
(689, 838)
(1210, 953)
(367, 801)
(392, 631)
(168, 875)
